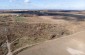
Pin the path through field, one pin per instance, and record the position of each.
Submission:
(8, 43)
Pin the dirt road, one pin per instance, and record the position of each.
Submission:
(8, 44)
(70, 45)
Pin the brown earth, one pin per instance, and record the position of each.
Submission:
(22, 31)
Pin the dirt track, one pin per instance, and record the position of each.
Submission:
(70, 45)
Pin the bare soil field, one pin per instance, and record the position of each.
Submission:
(21, 31)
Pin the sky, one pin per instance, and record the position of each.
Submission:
(43, 4)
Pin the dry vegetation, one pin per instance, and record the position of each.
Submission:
(3, 33)
(33, 33)
(28, 30)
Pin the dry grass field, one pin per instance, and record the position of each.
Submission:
(23, 31)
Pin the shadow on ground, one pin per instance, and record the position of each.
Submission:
(75, 17)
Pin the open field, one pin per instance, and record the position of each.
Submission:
(26, 30)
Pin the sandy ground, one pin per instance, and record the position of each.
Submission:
(70, 45)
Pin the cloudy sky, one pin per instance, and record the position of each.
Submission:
(43, 4)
